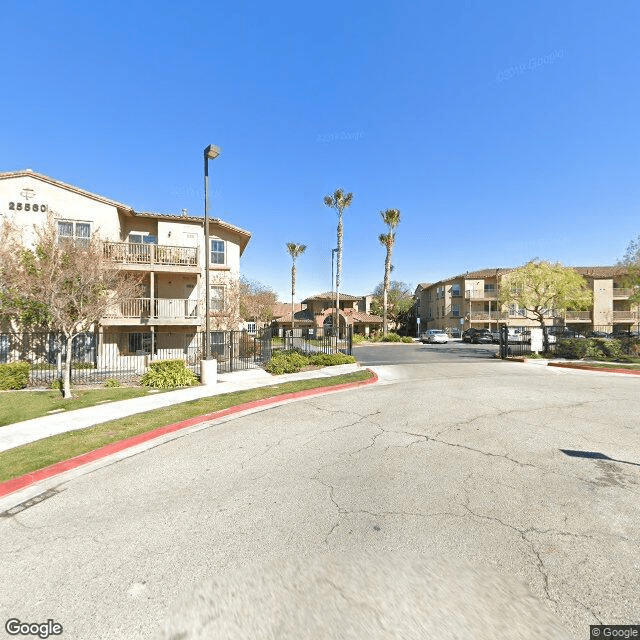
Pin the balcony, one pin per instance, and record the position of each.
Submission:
(480, 294)
(156, 257)
(622, 293)
(577, 316)
(144, 311)
(626, 316)
(485, 316)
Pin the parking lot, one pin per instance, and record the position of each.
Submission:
(417, 353)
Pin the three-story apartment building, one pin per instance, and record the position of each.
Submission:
(471, 300)
(167, 251)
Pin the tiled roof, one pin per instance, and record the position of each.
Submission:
(299, 316)
(361, 316)
(601, 272)
(328, 295)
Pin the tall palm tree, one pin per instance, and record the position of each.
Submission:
(391, 217)
(295, 250)
(339, 201)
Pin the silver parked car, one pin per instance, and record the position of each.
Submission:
(432, 336)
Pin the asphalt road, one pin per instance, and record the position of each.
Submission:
(503, 479)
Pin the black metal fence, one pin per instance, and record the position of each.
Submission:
(516, 341)
(125, 356)
(311, 340)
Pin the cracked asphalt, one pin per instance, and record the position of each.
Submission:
(526, 475)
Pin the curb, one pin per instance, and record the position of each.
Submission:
(21, 482)
(633, 372)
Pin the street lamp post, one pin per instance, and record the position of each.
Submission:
(211, 152)
(333, 252)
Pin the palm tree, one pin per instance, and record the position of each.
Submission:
(391, 217)
(294, 250)
(338, 201)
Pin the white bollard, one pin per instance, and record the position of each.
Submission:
(209, 371)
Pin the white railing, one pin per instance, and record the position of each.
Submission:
(163, 309)
(140, 253)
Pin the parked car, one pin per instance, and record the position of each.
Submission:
(564, 333)
(495, 337)
(477, 336)
(432, 336)
(455, 332)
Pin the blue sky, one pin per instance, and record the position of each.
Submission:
(502, 131)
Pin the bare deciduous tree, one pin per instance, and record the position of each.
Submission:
(62, 284)
(257, 301)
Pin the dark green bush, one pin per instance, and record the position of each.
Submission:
(14, 375)
(112, 382)
(358, 338)
(391, 337)
(407, 339)
(330, 359)
(294, 360)
(286, 362)
(590, 348)
(166, 374)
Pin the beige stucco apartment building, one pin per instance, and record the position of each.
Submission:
(168, 251)
(471, 300)
(319, 312)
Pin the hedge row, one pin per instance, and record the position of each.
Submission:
(293, 361)
(592, 348)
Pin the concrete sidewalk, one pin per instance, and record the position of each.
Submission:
(20, 433)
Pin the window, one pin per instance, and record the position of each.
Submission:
(251, 327)
(489, 287)
(218, 344)
(455, 310)
(217, 252)
(79, 232)
(139, 343)
(216, 298)
(455, 290)
(142, 238)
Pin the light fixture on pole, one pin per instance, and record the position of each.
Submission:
(210, 153)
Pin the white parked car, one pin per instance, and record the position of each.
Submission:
(434, 336)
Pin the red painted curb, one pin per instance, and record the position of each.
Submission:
(15, 484)
(632, 372)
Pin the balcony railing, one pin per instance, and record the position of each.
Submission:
(577, 315)
(621, 292)
(480, 294)
(148, 254)
(484, 316)
(628, 316)
(161, 309)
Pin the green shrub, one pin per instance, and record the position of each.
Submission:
(330, 359)
(83, 365)
(166, 374)
(407, 339)
(14, 375)
(591, 348)
(358, 338)
(286, 362)
(112, 382)
(56, 383)
(391, 337)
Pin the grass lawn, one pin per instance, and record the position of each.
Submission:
(16, 406)
(42, 453)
